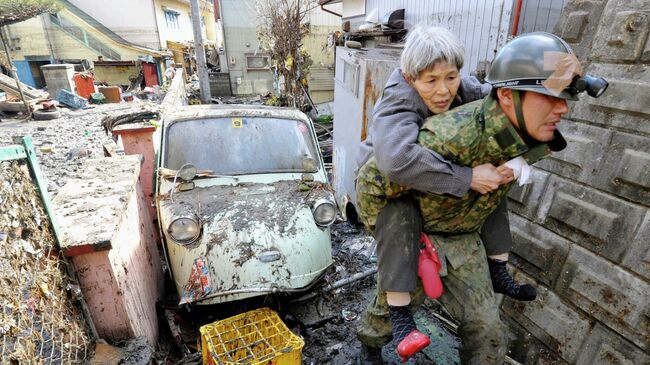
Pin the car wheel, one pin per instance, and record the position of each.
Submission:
(46, 114)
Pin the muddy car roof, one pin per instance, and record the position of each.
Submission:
(232, 110)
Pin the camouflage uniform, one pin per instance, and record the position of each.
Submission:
(470, 135)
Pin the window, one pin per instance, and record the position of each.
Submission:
(241, 145)
(258, 61)
(171, 18)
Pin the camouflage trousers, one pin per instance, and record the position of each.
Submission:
(469, 297)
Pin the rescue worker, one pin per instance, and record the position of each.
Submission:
(427, 83)
(532, 77)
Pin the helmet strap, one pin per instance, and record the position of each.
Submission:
(519, 114)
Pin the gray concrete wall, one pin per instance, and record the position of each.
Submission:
(582, 230)
(240, 38)
(58, 77)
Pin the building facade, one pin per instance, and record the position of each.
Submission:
(249, 66)
(90, 30)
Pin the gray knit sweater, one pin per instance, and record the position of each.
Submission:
(393, 133)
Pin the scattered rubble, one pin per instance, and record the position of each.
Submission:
(326, 317)
(62, 144)
(39, 319)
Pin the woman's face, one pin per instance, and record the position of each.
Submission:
(438, 86)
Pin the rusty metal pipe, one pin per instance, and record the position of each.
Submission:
(338, 284)
(322, 7)
(515, 20)
(330, 287)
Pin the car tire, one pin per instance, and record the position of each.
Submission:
(46, 114)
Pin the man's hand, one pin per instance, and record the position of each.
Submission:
(486, 178)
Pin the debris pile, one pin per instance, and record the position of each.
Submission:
(111, 121)
(39, 320)
(325, 135)
(62, 147)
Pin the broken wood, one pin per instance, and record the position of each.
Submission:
(8, 85)
(15, 107)
(176, 332)
(109, 150)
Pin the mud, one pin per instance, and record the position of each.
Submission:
(62, 144)
(327, 322)
(137, 352)
(247, 203)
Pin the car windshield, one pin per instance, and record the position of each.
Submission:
(241, 145)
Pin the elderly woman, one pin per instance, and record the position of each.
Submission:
(427, 83)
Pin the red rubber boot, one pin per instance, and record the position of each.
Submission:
(412, 344)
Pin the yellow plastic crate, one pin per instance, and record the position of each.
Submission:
(256, 337)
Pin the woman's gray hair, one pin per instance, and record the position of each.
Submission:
(427, 45)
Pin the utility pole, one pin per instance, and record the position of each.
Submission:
(202, 68)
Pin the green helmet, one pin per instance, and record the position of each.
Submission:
(519, 65)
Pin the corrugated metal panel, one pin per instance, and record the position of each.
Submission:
(321, 79)
(482, 26)
(540, 15)
(318, 17)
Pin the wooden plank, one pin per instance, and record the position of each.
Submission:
(12, 153)
(13, 106)
(8, 84)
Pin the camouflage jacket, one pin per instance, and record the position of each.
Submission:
(470, 135)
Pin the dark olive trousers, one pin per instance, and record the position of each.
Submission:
(468, 289)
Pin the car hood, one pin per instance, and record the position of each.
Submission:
(245, 204)
(255, 239)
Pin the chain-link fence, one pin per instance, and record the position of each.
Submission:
(40, 321)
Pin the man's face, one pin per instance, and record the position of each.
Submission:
(437, 86)
(542, 113)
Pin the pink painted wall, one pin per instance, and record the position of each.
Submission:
(113, 247)
(123, 284)
(139, 141)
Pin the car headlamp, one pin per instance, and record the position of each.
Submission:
(184, 230)
(594, 86)
(324, 212)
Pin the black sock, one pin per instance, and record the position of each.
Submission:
(402, 321)
(503, 283)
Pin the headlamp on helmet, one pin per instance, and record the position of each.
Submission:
(593, 85)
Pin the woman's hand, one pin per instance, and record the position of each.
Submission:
(507, 173)
(486, 178)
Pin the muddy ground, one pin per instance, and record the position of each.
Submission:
(326, 321)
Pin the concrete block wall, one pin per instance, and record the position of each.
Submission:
(59, 77)
(109, 236)
(582, 229)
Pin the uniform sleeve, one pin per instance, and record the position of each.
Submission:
(396, 124)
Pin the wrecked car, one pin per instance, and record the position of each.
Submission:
(243, 200)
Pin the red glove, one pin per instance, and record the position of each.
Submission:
(429, 268)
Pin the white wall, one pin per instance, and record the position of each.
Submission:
(184, 31)
(482, 26)
(319, 17)
(132, 20)
(354, 7)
